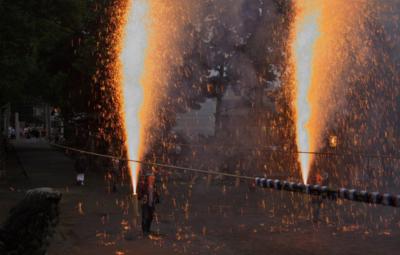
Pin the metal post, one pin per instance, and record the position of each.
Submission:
(17, 127)
(47, 115)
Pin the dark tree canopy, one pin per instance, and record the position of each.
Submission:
(39, 48)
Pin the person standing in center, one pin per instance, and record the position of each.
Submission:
(149, 197)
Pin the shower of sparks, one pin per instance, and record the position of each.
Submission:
(306, 34)
(133, 56)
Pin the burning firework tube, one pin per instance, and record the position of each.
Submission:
(135, 206)
(269, 183)
(375, 197)
(329, 193)
(343, 193)
(277, 184)
(388, 199)
(285, 185)
(300, 187)
(262, 182)
(307, 188)
(352, 194)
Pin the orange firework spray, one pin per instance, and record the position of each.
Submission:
(147, 53)
(306, 33)
(323, 36)
(133, 58)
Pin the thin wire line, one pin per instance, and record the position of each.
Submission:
(264, 148)
(154, 163)
(180, 168)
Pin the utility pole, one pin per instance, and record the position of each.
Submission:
(47, 116)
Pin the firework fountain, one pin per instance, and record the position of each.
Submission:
(305, 38)
(133, 62)
(322, 48)
(320, 57)
(144, 64)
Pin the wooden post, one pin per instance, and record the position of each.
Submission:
(237, 182)
(135, 210)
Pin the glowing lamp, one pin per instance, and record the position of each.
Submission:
(333, 141)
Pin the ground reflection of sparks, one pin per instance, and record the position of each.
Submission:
(133, 58)
(306, 33)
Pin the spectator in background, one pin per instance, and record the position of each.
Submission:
(11, 133)
(80, 168)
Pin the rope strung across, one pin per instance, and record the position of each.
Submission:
(313, 190)
(155, 164)
(274, 149)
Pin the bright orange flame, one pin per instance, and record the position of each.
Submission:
(133, 57)
(148, 52)
(306, 34)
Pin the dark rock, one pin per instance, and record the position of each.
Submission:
(31, 223)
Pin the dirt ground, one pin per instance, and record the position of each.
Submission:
(195, 216)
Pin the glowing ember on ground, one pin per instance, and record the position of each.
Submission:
(306, 34)
(133, 58)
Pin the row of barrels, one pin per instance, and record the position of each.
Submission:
(330, 193)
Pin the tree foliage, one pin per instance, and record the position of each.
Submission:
(39, 48)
